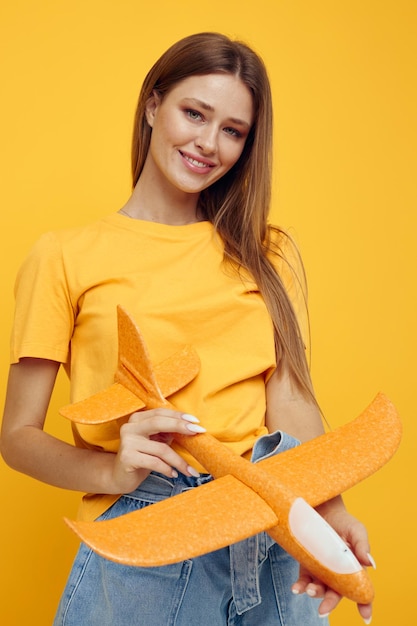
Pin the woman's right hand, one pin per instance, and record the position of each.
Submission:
(144, 440)
(145, 446)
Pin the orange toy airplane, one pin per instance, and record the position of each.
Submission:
(276, 495)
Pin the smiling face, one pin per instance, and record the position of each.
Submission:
(199, 130)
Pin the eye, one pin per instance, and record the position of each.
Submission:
(193, 115)
(233, 132)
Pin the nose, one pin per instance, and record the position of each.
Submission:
(206, 140)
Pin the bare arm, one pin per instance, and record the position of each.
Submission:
(26, 447)
(289, 410)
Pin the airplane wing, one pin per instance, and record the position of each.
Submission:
(207, 518)
(118, 401)
(332, 463)
(112, 403)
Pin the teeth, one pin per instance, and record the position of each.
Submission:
(194, 162)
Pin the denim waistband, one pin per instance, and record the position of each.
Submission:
(246, 555)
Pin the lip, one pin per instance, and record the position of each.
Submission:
(196, 163)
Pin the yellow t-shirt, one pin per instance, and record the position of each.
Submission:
(173, 282)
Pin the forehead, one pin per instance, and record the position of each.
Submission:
(225, 94)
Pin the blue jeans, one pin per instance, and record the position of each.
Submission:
(246, 584)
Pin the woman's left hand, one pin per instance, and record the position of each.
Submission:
(356, 537)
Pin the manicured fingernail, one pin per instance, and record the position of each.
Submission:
(195, 428)
(367, 620)
(193, 471)
(322, 615)
(190, 418)
(295, 592)
(174, 474)
(311, 592)
(371, 561)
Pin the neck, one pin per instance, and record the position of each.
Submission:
(140, 213)
(154, 203)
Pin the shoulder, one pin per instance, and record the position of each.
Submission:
(56, 243)
(56, 255)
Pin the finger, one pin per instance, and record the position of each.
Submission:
(307, 584)
(142, 453)
(330, 601)
(361, 549)
(139, 416)
(365, 611)
(157, 421)
(370, 561)
(304, 578)
(357, 539)
(316, 590)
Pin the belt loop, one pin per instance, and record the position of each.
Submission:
(244, 574)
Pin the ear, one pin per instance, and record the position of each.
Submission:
(152, 106)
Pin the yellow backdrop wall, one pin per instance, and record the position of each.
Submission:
(344, 83)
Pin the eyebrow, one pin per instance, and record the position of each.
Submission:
(208, 107)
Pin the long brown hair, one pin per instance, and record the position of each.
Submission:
(237, 204)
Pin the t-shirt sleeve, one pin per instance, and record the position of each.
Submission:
(44, 315)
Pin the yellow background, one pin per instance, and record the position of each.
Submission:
(344, 83)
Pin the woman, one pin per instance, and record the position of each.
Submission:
(192, 259)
